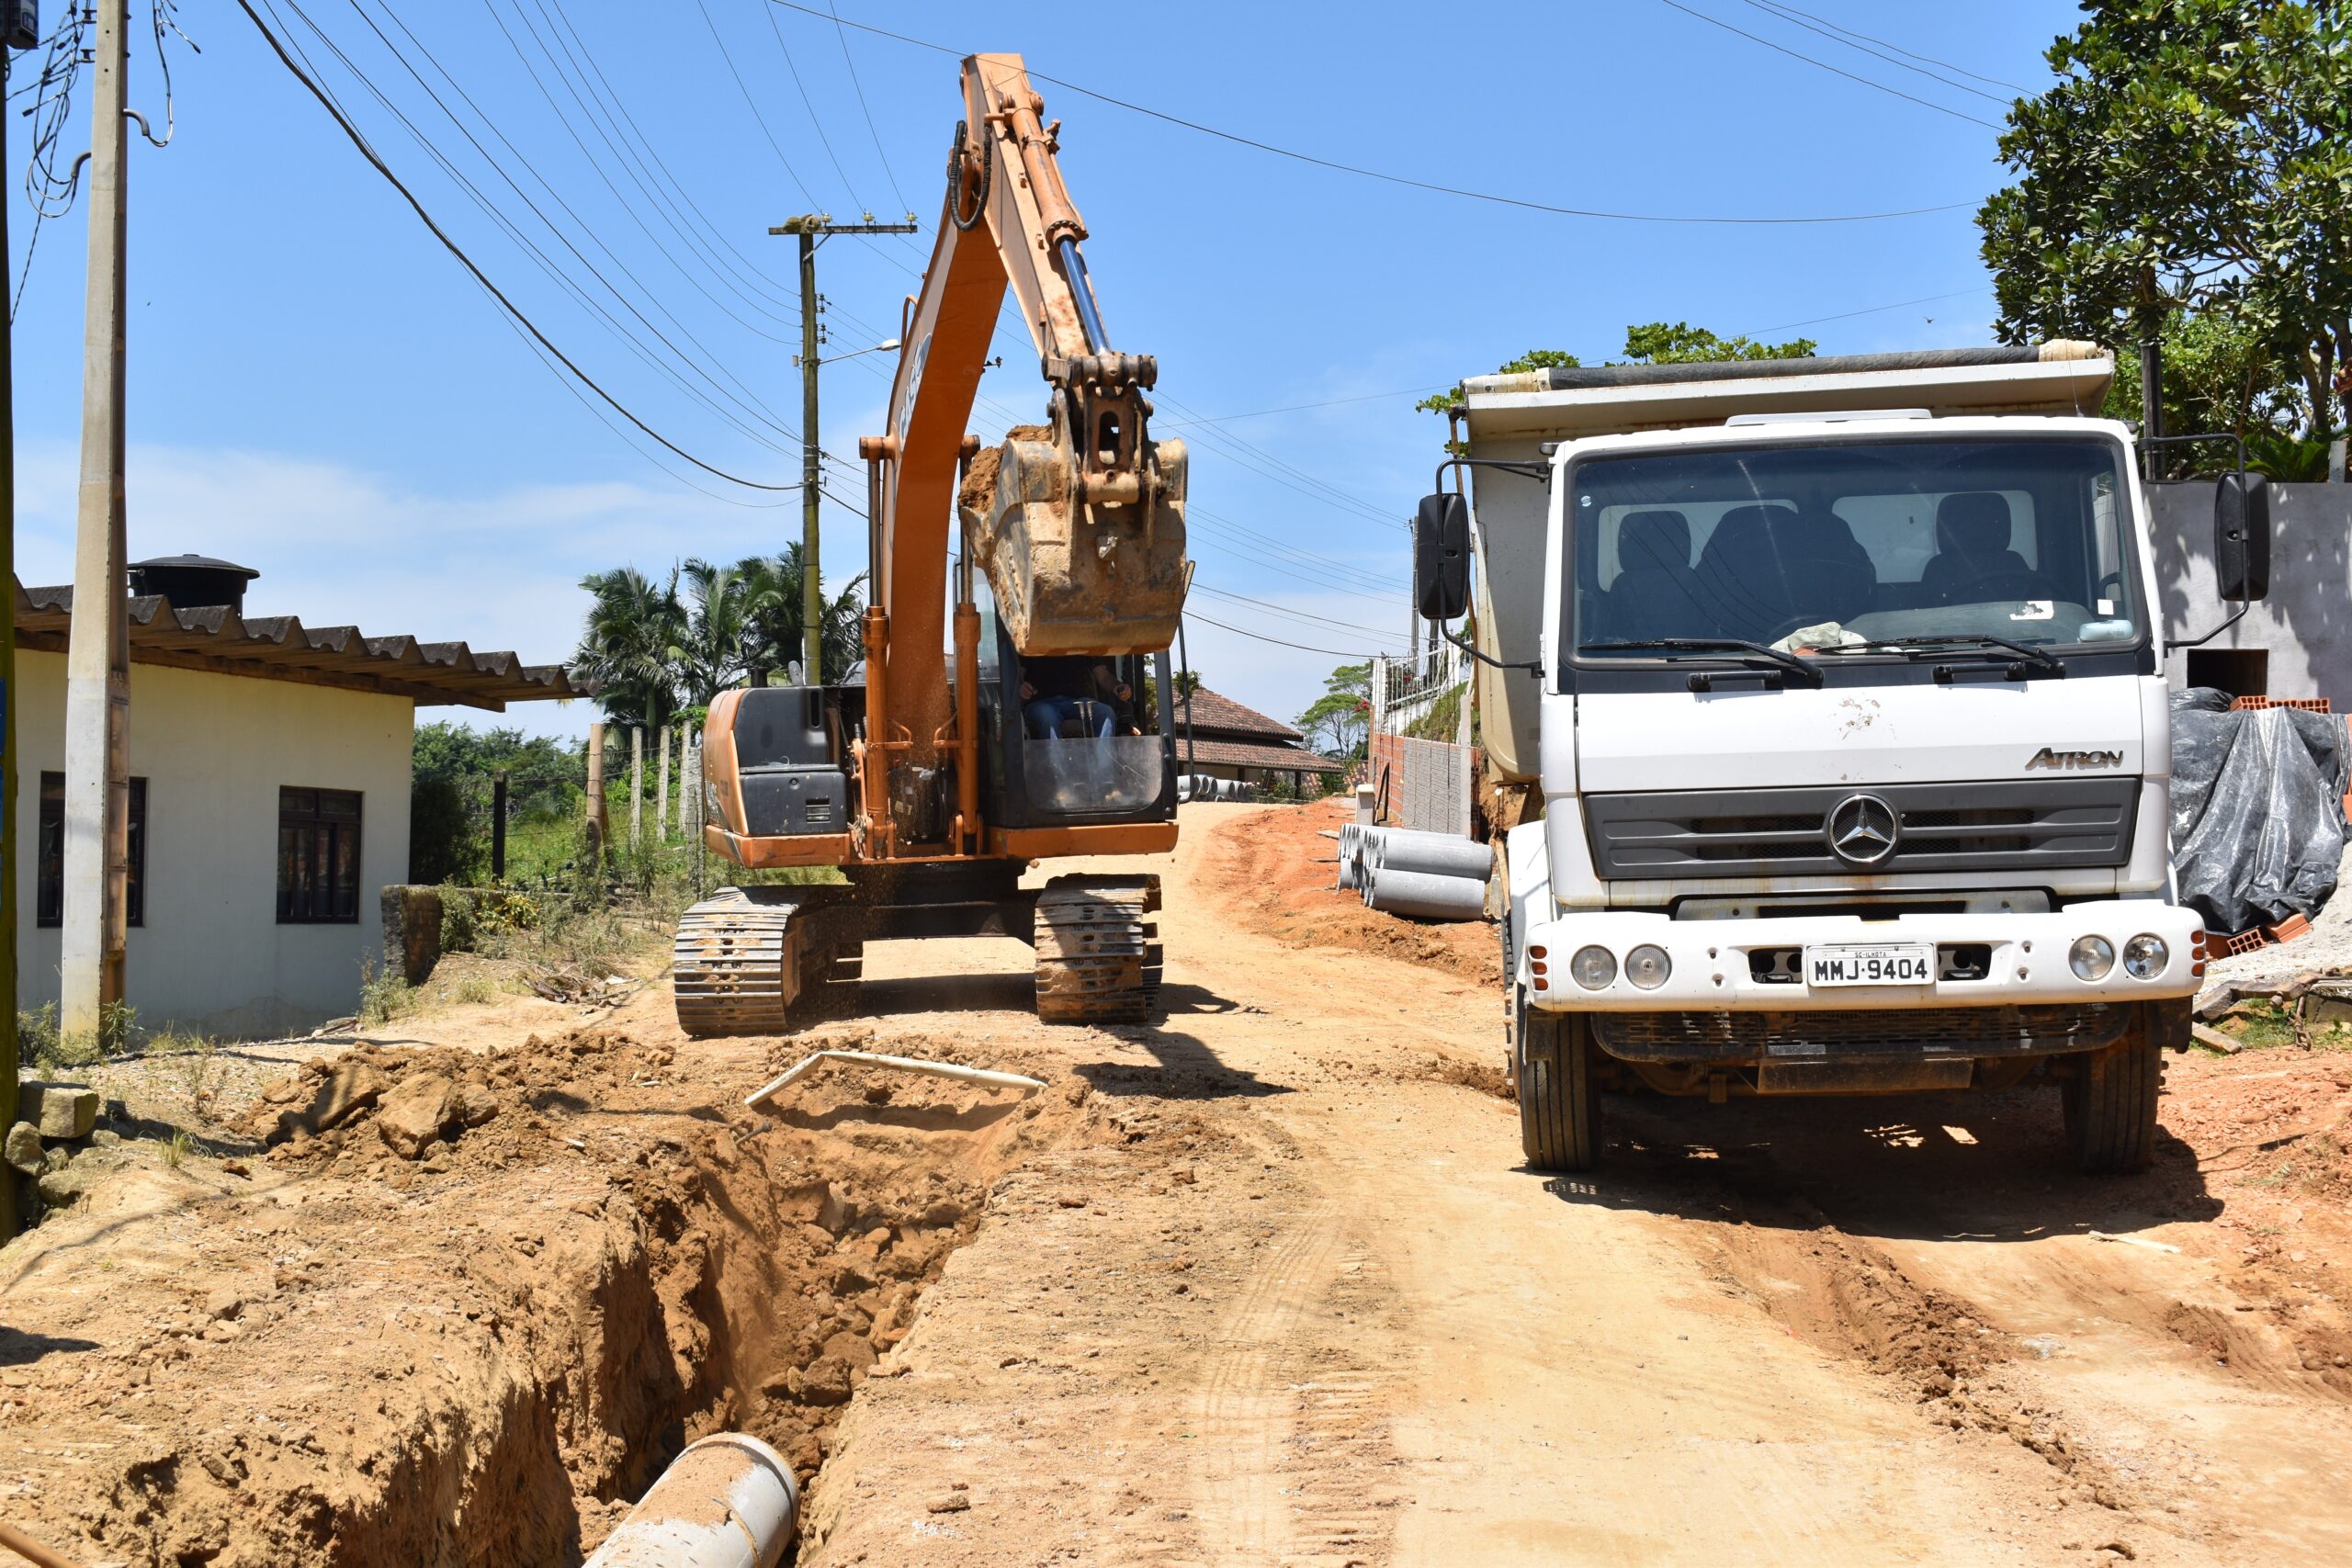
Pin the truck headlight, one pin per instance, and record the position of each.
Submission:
(1594, 967)
(1648, 966)
(2145, 955)
(2091, 957)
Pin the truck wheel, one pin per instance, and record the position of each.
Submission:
(1559, 1108)
(2110, 1104)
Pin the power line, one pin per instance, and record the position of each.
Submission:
(1990, 80)
(1870, 310)
(1823, 64)
(616, 110)
(1198, 587)
(1781, 14)
(1298, 408)
(545, 262)
(1406, 179)
(842, 34)
(752, 104)
(822, 140)
(749, 401)
(626, 159)
(1260, 636)
(375, 161)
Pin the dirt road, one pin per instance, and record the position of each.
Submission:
(1263, 1283)
(1869, 1332)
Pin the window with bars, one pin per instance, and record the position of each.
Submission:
(49, 891)
(318, 857)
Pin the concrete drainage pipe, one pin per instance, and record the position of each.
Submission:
(728, 1502)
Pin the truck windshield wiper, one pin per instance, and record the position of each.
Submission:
(1724, 646)
(1987, 644)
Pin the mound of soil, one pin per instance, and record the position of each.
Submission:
(467, 1304)
(1280, 876)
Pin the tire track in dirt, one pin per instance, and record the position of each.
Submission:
(1242, 1410)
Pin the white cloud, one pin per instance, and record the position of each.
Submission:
(336, 545)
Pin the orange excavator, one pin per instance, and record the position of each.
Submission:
(937, 775)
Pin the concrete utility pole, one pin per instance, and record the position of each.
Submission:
(814, 228)
(10, 41)
(596, 793)
(635, 786)
(97, 657)
(661, 790)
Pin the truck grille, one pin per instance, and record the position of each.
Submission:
(1873, 1032)
(1999, 825)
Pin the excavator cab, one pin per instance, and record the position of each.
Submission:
(1074, 775)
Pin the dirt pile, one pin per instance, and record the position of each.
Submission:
(1279, 875)
(467, 1304)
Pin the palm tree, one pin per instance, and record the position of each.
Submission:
(775, 635)
(708, 653)
(627, 646)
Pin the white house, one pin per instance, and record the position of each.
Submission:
(269, 805)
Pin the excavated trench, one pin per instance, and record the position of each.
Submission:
(601, 1271)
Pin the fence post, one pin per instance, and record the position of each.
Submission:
(596, 792)
(1379, 697)
(661, 790)
(498, 828)
(635, 786)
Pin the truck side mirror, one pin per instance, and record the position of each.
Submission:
(2242, 537)
(1441, 555)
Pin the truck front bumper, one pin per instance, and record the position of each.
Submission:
(1745, 965)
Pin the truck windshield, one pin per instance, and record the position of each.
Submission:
(1858, 544)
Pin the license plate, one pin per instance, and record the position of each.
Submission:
(1905, 963)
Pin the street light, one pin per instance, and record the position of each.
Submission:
(853, 354)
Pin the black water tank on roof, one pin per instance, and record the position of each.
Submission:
(193, 583)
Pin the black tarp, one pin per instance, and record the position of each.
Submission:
(2257, 809)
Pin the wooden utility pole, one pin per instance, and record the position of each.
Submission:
(97, 656)
(813, 229)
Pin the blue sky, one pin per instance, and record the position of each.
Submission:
(316, 389)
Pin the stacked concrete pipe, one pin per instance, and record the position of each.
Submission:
(1399, 871)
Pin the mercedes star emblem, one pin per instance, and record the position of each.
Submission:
(1862, 829)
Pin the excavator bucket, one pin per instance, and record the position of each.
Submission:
(1084, 552)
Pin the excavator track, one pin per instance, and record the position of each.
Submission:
(743, 955)
(1097, 959)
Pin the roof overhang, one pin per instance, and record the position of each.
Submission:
(280, 647)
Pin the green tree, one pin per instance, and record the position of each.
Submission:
(1337, 723)
(708, 654)
(452, 768)
(2194, 156)
(1679, 343)
(628, 648)
(1651, 342)
(774, 628)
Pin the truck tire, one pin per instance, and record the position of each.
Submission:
(1559, 1108)
(2111, 1106)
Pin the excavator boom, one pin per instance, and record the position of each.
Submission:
(933, 794)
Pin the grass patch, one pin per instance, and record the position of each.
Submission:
(384, 995)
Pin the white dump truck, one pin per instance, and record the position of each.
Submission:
(1832, 693)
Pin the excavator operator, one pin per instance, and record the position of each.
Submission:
(1054, 690)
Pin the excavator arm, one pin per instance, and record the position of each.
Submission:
(1079, 522)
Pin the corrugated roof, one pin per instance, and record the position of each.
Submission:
(1241, 754)
(280, 647)
(1221, 714)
